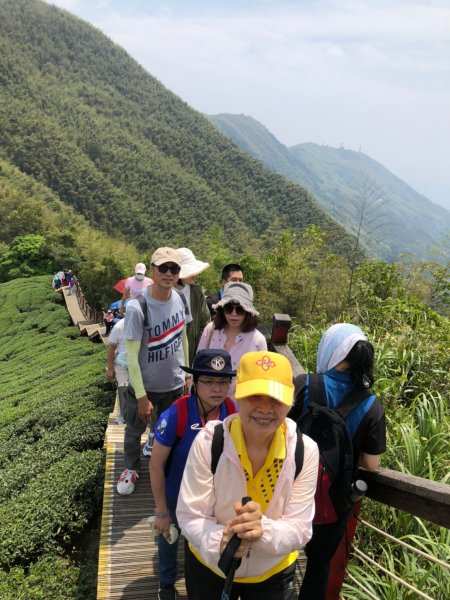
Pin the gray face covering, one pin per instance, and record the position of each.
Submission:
(139, 276)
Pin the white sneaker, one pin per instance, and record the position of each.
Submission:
(126, 482)
(147, 449)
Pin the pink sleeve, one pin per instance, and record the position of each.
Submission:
(260, 341)
(205, 335)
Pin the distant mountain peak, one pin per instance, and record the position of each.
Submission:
(342, 179)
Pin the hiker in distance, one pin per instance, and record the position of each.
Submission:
(156, 347)
(231, 273)
(234, 327)
(116, 365)
(255, 453)
(196, 309)
(345, 363)
(175, 431)
(137, 283)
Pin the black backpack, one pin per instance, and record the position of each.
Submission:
(327, 427)
(217, 449)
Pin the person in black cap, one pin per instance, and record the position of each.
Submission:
(175, 432)
(231, 273)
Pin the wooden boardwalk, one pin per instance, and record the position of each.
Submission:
(128, 554)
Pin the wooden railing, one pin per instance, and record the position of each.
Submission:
(95, 316)
(417, 496)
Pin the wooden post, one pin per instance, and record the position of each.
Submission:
(280, 328)
(279, 341)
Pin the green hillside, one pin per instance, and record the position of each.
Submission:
(41, 234)
(398, 219)
(53, 410)
(83, 118)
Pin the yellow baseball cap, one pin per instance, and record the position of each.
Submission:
(265, 373)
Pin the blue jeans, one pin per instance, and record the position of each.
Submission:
(167, 556)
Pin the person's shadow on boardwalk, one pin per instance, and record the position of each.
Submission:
(147, 587)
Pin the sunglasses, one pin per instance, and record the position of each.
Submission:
(172, 267)
(229, 308)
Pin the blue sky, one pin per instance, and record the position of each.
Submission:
(373, 74)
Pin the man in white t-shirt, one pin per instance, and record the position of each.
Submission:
(116, 364)
(137, 283)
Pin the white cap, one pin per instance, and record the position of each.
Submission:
(140, 269)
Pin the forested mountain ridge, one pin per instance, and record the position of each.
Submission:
(399, 220)
(40, 234)
(83, 118)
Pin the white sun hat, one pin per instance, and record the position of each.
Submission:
(190, 266)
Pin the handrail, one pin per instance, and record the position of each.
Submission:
(420, 497)
(90, 313)
(415, 495)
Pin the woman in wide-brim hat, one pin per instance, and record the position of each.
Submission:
(234, 327)
(196, 308)
(175, 432)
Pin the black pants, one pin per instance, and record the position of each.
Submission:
(203, 584)
(319, 552)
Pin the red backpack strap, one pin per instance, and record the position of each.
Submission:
(181, 405)
(230, 406)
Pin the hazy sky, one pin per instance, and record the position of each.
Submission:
(373, 74)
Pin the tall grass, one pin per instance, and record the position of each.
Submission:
(413, 381)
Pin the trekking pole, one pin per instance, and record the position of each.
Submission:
(228, 563)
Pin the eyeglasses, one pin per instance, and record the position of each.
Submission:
(172, 267)
(229, 308)
(210, 381)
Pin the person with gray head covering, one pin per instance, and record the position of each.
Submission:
(345, 363)
(234, 327)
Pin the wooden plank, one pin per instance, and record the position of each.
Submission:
(73, 308)
(420, 497)
(297, 368)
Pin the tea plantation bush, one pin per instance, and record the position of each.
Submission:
(53, 410)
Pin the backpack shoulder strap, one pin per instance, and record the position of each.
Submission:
(230, 406)
(316, 389)
(143, 304)
(182, 415)
(299, 453)
(352, 399)
(216, 446)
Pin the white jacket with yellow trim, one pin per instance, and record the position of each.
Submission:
(205, 503)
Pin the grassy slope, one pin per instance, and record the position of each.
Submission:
(85, 119)
(53, 409)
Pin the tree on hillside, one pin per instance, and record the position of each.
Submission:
(369, 217)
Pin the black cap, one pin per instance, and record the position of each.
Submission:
(212, 362)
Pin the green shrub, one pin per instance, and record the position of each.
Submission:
(53, 410)
(50, 578)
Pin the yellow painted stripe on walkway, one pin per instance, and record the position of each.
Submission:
(104, 556)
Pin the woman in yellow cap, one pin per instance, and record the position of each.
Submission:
(259, 456)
